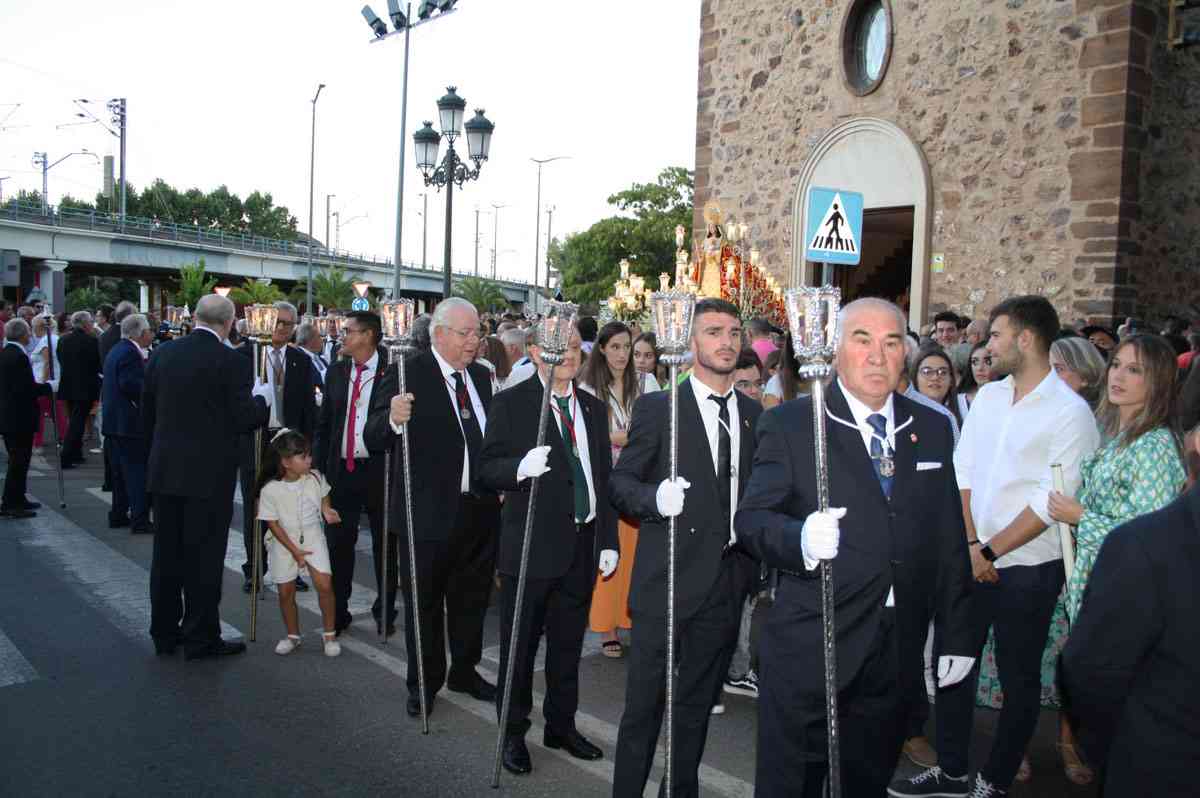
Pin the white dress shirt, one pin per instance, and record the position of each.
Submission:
(1005, 453)
(476, 406)
(39, 365)
(581, 441)
(319, 363)
(369, 372)
(276, 420)
(520, 372)
(861, 412)
(710, 414)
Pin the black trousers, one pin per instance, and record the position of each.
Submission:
(704, 646)
(1019, 608)
(188, 565)
(457, 573)
(129, 479)
(351, 492)
(557, 608)
(20, 450)
(248, 480)
(77, 416)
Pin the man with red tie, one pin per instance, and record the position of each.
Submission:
(354, 474)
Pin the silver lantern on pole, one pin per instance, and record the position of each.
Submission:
(397, 318)
(553, 336)
(260, 326)
(813, 318)
(672, 316)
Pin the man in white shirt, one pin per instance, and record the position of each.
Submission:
(1019, 426)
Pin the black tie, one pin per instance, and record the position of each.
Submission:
(724, 454)
(470, 425)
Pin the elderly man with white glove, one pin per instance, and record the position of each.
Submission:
(895, 539)
(574, 535)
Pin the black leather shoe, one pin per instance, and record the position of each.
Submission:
(573, 743)
(301, 585)
(479, 688)
(119, 522)
(516, 756)
(391, 628)
(342, 624)
(221, 648)
(413, 705)
(145, 529)
(69, 466)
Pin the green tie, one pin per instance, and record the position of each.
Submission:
(582, 506)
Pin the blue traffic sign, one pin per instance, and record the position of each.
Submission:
(360, 303)
(834, 233)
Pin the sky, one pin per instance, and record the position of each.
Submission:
(220, 92)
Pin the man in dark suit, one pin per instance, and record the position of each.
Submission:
(79, 356)
(198, 396)
(18, 417)
(892, 486)
(309, 340)
(109, 339)
(713, 571)
(1132, 662)
(355, 475)
(124, 433)
(455, 519)
(294, 405)
(574, 532)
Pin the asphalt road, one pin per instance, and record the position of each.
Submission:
(86, 708)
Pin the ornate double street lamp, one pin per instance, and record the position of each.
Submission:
(452, 170)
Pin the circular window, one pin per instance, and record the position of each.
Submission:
(866, 44)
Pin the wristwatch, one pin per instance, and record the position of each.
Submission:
(987, 553)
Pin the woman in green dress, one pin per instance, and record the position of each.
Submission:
(1138, 468)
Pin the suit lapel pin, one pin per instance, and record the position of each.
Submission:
(913, 437)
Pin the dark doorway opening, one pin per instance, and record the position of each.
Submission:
(885, 270)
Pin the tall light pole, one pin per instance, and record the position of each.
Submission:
(42, 160)
(537, 236)
(328, 197)
(549, 239)
(402, 21)
(424, 228)
(117, 108)
(2, 179)
(452, 170)
(312, 166)
(495, 234)
(476, 240)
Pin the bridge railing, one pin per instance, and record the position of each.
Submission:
(82, 219)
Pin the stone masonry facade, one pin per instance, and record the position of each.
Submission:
(1062, 137)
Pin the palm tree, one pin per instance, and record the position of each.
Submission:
(483, 294)
(252, 292)
(192, 284)
(332, 289)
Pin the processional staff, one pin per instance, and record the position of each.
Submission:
(260, 326)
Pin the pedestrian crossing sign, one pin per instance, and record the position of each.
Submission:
(834, 233)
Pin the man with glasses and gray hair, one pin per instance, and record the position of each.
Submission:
(455, 519)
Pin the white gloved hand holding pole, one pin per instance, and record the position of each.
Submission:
(669, 497)
(263, 391)
(953, 669)
(533, 464)
(820, 536)
(608, 562)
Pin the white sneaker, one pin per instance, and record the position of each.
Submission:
(332, 647)
(718, 709)
(287, 645)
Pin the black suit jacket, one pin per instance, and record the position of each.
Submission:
(701, 535)
(79, 356)
(195, 401)
(109, 339)
(124, 376)
(915, 542)
(328, 443)
(18, 392)
(435, 442)
(1132, 662)
(511, 432)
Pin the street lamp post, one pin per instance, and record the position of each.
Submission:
(452, 170)
(495, 234)
(328, 197)
(537, 236)
(42, 160)
(549, 239)
(312, 165)
(402, 21)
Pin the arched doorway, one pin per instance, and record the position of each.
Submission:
(879, 160)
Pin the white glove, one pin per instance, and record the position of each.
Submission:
(669, 497)
(264, 392)
(533, 464)
(608, 562)
(820, 535)
(952, 669)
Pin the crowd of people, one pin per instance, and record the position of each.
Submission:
(945, 525)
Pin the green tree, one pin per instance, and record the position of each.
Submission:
(87, 298)
(332, 289)
(643, 232)
(483, 294)
(192, 284)
(252, 292)
(27, 199)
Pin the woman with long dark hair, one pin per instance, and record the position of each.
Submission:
(932, 373)
(785, 383)
(977, 374)
(610, 375)
(645, 356)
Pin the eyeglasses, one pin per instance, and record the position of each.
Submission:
(282, 323)
(748, 385)
(981, 361)
(467, 334)
(929, 371)
(349, 330)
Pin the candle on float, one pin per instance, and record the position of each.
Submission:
(680, 233)
(664, 282)
(624, 264)
(754, 257)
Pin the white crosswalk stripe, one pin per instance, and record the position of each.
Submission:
(14, 668)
